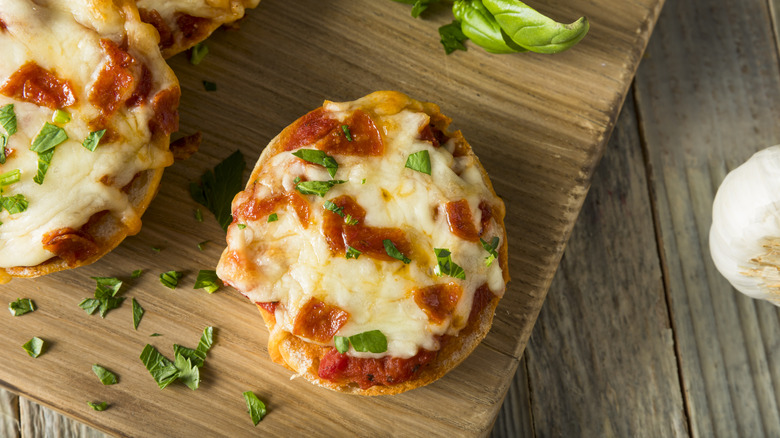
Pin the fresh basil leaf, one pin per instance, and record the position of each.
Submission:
(255, 406)
(479, 25)
(8, 119)
(334, 208)
(106, 377)
(98, 406)
(452, 37)
(107, 286)
(105, 296)
(342, 343)
(21, 306)
(372, 341)
(188, 374)
(138, 313)
(319, 188)
(196, 357)
(60, 117)
(491, 249)
(216, 189)
(446, 266)
(273, 217)
(170, 279)
(109, 303)
(161, 368)
(44, 160)
(34, 347)
(316, 156)
(48, 138)
(393, 252)
(14, 204)
(198, 52)
(93, 139)
(90, 305)
(206, 340)
(419, 161)
(10, 177)
(347, 133)
(352, 253)
(208, 280)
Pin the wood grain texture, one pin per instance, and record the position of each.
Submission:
(538, 123)
(708, 95)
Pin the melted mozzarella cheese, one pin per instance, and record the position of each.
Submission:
(63, 37)
(295, 262)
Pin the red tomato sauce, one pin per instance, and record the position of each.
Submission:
(368, 372)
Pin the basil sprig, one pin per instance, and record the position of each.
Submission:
(446, 266)
(216, 189)
(317, 156)
(373, 341)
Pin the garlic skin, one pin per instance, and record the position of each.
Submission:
(745, 232)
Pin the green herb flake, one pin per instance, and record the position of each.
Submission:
(93, 139)
(170, 279)
(161, 368)
(138, 313)
(156, 249)
(137, 273)
(8, 122)
(419, 161)
(334, 208)
(44, 161)
(319, 188)
(347, 133)
(393, 252)
(198, 215)
(256, 407)
(106, 377)
(342, 343)
(208, 280)
(155, 335)
(316, 156)
(372, 341)
(185, 367)
(198, 52)
(446, 266)
(363, 181)
(209, 86)
(241, 226)
(105, 296)
(60, 117)
(34, 347)
(98, 406)
(352, 253)
(273, 217)
(10, 177)
(216, 188)
(349, 220)
(452, 37)
(491, 249)
(14, 204)
(21, 306)
(202, 245)
(189, 374)
(48, 138)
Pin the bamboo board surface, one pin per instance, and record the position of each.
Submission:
(538, 123)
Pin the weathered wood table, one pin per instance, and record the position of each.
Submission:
(639, 335)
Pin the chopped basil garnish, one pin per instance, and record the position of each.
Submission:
(209, 86)
(60, 117)
(352, 253)
(202, 245)
(318, 157)
(347, 134)
(446, 266)
(93, 139)
(21, 306)
(34, 347)
(14, 204)
(198, 52)
(48, 138)
(216, 189)
(105, 296)
(342, 343)
(155, 334)
(186, 362)
(98, 406)
(162, 370)
(393, 252)
(255, 406)
(349, 220)
(156, 249)
(8, 122)
(138, 313)
(241, 226)
(189, 374)
(452, 37)
(372, 341)
(170, 279)
(44, 160)
(319, 188)
(419, 161)
(491, 249)
(10, 177)
(208, 280)
(198, 215)
(106, 377)
(273, 217)
(334, 208)
(137, 273)
(363, 181)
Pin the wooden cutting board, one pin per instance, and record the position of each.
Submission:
(539, 123)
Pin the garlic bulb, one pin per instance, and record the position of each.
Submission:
(745, 232)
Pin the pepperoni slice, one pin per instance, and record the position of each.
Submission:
(193, 28)
(460, 221)
(433, 134)
(32, 83)
(166, 115)
(71, 245)
(438, 301)
(328, 135)
(155, 19)
(115, 82)
(319, 321)
(253, 209)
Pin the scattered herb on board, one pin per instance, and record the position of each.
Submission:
(138, 313)
(21, 306)
(216, 188)
(186, 365)
(198, 52)
(208, 280)
(98, 406)
(106, 377)
(171, 279)
(256, 407)
(34, 347)
(105, 296)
